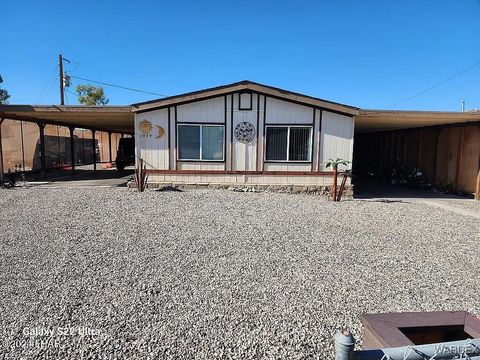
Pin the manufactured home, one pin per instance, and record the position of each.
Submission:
(244, 134)
(247, 135)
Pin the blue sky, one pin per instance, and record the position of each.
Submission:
(371, 54)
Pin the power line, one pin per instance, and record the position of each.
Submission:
(47, 86)
(117, 86)
(77, 64)
(436, 85)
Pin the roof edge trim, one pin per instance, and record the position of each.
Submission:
(244, 85)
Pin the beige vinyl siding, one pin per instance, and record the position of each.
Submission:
(334, 139)
(206, 111)
(288, 113)
(337, 138)
(211, 110)
(153, 151)
(287, 167)
(198, 165)
(244, 155)
(284, 112)
(239, 179)
(316, 138)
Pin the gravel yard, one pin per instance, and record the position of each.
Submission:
(469, 205)
(209, 274)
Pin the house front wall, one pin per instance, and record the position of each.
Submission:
(244, 162)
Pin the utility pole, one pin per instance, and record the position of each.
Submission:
(60, 66)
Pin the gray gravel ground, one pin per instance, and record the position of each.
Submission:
(205, 274)
(469, 205)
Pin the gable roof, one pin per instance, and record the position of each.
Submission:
(244, 86)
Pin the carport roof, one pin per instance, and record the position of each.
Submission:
(120, 118)
(102, 118)
(382, 120)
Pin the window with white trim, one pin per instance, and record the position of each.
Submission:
(201, 142)
(289, 143)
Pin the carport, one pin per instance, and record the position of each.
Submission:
(445, 146)
(112, 120)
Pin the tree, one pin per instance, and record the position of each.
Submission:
(91, 95)
(3, 94)
(333, 164)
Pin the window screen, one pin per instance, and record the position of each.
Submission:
(277, 143)
(299, 145)
(288, 143)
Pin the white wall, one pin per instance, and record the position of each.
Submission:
(284, 112)
(153, 151)
(336, 138)
(245, 155)
(333, 139)
(211, 110)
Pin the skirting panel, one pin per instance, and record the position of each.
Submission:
(232, 179)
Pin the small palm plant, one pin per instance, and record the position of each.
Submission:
(333, 164)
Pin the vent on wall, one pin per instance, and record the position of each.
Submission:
(245, 101)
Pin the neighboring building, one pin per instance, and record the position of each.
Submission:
(245, 134)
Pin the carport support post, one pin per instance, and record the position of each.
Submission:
(94, 151)
(477, 189)
(1, 153)
(72, 149)
(41, 128)
(110, 146)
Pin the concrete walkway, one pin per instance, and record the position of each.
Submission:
(466, 207)
(385, 192)
(99, 178)
(82, 177)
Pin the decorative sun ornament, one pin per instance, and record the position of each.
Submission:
(145, 127)
(244, 132)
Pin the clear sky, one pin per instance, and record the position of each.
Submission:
(370, 54)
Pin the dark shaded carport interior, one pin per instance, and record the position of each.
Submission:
(109, 119)
(444, 145)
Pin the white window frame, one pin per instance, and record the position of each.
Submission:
(201, 125)
(288, 143)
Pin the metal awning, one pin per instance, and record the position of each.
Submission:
(381, 120)
(120, 118)
(101, 118)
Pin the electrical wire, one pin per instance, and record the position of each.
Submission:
(116, 86)
(48, 84)
(69, 61)
(435, 85)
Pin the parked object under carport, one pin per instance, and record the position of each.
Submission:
(125, 153)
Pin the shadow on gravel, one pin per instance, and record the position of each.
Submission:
(169, 188)
(365, 189)
(385, 201)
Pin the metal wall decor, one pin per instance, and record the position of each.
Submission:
(161, 131)
(245, 132)
(145, 127)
